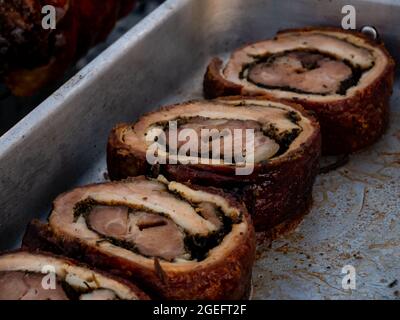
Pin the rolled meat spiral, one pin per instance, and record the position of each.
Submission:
(176, 241)
(28, 275)
(285, 160)
(342, 76)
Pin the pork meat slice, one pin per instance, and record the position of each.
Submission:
(19, 285)
(223, 130)
(151, 234)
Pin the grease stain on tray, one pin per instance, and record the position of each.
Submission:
(354, 220)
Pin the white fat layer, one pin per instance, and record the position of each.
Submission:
(164, 203)
(100, 294)
(197, 196)
(81, 284)
(276, 115)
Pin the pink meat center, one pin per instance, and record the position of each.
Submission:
(227, 136)
(302, 71)
(16, 285)
(151, 234)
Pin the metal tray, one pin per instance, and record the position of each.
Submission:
(61, 144)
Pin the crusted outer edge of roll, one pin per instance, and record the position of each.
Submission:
(35, 260)
(348, 124)
(124, 161)
(229, 277)
(277, 190)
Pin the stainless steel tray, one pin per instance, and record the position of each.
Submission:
(61, 144)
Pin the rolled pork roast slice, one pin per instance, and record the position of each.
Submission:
(275, 176)
(37, 275)
(175, 241)
(343, 76)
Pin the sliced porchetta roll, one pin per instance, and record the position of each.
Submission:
(176, 241)
(28, 275)
(205, 143)
(343, 76)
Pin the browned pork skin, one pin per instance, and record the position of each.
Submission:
(28, 275)
(177, 241)
(344, 77)
(287, 149)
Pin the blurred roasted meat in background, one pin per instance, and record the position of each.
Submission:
(31, 56)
